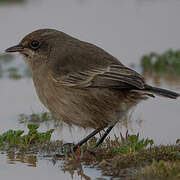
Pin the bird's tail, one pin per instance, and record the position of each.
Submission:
(162, 92)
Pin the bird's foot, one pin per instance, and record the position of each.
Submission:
(69, 149)
(66, 150)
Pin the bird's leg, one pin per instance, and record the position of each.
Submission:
(86, 138)
(80, 143)
(104, 136)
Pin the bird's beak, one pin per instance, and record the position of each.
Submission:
(16, 48)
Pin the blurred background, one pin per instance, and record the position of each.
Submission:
(142, 34)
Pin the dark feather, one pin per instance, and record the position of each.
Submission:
(114, 76)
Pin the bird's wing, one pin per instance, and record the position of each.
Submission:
(113, 76)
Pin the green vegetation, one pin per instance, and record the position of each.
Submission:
(130, 156)
(167, 63)
(35, 118)
(9, 68)
(159, 171)
(15, 138)
(122, 157)
(13, 73)
(44, 118)
(12, 1)
(123, 145)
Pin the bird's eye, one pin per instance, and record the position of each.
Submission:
(34, 44)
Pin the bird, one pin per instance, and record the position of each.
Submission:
(80, 83)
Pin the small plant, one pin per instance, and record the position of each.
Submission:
(13, 73)
(159, 171)
(35, 118)
(16, 139)
(9, 68)
(122, 156)
(127, 144)
(167, 63)
(132, 143)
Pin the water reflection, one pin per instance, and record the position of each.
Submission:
(76, 168)
(13, 157)
(172, 82)
(45, 168)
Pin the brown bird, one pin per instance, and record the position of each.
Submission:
(82, 84)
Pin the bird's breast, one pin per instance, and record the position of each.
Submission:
(44, 87)
(83, 107)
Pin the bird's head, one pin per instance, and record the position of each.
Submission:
(37, 46)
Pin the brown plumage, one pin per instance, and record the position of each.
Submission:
(81, 83)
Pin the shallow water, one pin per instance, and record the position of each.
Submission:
(127, 29)
(31, 167)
